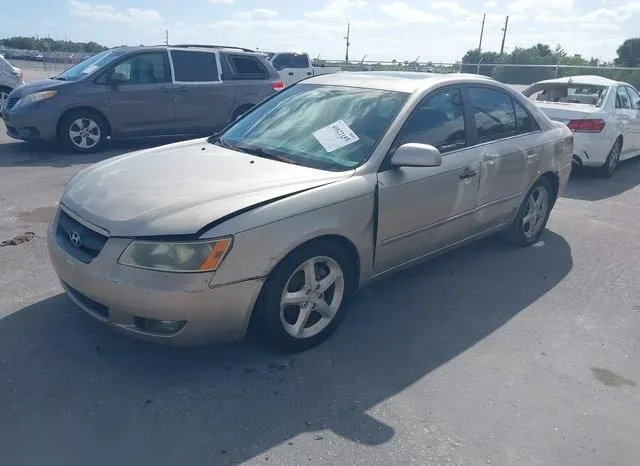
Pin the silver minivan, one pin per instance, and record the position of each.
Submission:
(10, 78)
(141, 91)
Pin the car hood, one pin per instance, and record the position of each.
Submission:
(37, 86)
(180, 188)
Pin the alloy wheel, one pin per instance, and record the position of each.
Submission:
(84, 133)
(535, 212)
(311, 297)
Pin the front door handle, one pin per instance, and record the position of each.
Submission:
(290, 73)
(467, 173)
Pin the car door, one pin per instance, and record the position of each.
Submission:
(249, 78)
(422, 210)
(203, 101)
(142, 101)
(293, 67)
(625, 115)
(508, 143)
(634, 123)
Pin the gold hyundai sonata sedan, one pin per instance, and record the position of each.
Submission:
(278, 219)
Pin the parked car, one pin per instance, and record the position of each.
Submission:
(280, 218)
(10, 78)
(603, 114)
(141, 91)
(296, 66)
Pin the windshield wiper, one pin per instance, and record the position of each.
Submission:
(264, 153)
(217, 139)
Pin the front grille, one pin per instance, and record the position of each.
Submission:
(11, 102)
(87, 302)
(77, 240)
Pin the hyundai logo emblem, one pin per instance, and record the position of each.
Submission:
(74, 237)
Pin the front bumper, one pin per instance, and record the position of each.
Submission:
(122, 296)
(36, 122)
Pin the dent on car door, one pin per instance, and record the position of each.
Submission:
(510, 154)
(420, 209)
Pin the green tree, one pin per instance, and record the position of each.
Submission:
(629, 53)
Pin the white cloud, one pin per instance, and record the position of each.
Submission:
(405, 13)
(109, 13)
(490, 4)
(222, 1)
(258, 14)
(336, 9)
(451, 7)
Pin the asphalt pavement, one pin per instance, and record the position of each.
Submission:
(488, 355)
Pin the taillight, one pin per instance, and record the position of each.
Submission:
(19, 74)
(277, 85)
(586, 125)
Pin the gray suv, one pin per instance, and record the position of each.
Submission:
(141, 91)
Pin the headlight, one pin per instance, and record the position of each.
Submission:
(35, 97)
(196, 256)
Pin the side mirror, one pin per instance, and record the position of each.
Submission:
(416, 155)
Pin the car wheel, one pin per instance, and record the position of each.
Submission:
(83, 131)
(533, 215)
(303, 299)
(613, 159)
(4, 94)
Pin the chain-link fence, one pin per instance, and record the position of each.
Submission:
(509, 73)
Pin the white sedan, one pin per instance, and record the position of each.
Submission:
(603, 114)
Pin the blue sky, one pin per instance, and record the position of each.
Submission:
(438, 30)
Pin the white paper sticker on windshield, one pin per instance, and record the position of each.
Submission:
(90, 69)
(335, 136)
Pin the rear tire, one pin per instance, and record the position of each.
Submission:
(613, 159)
(532, 216)
(83, 131)
(303, 300)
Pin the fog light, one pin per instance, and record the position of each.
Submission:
(159, 326)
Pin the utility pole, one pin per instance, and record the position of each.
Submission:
(347, 39)
(166, 36)
(481, 33)
(504, 34)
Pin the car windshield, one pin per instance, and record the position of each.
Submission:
(88, 66)
(327, 127)
(586, 94)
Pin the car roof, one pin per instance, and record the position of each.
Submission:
(401, 81)
(589, 80)
(198, 47)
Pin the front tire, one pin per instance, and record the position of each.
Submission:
(613, 159)
(533, 215)
(304, 298)
(4, 94)
(83, 131)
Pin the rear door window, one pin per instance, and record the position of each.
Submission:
(245, 67)
(524, 121)
(190, 66)
(493, 112)
(299, 60)
(635, 98)
(282, 61)
(622, 98)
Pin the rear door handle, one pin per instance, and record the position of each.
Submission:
(467, 173)
(308, 73)
(290, 73)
